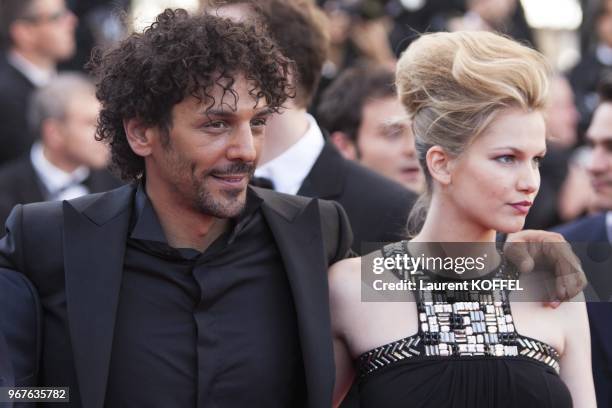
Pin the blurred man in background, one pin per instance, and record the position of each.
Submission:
(35, 35)
(594, 64)
(557, 200)
(591, 237)
(67, 161)
(367, 123)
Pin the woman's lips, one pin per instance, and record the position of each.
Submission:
(522, 207)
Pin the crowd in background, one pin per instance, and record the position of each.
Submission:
(367, 35)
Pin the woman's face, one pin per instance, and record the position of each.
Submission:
(495, 180)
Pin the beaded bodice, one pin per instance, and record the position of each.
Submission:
(458, 324)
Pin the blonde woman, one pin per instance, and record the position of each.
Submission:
(475, 99)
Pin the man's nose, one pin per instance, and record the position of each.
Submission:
(408, 147)
(242, 145)
(599, 160)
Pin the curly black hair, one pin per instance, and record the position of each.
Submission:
(180, 55)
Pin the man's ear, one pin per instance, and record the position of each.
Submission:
(21, 34)
(51, 135)
(344, 144)
(439, 165)
(139, 136)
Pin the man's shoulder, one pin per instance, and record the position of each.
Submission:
(379, 186)
(349, 182)
(12, 81)
(15, 171)
(53, 210)
(583, 228)
(332, 219)
(296, 203)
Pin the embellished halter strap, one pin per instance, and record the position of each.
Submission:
(457, 324)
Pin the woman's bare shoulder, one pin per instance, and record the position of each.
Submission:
(345, 279)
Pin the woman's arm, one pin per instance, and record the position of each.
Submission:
(345, 371)
(344, 281)
(576, 359)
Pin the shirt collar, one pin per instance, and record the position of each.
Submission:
(146, 225)
(609, 225)
(289, 170)
(52, 177)
(36, 75)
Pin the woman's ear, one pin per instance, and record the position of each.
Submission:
(139, 136)
(439, 165)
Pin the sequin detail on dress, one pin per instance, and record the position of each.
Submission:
(458, 324)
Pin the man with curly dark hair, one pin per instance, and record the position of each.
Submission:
(186, 287)
(298, 157)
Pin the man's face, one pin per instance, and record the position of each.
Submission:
(205, 161)
(561, 113)
(78, 129)
(51, 27)
(604, 24)
(386, 144)
(599, 136)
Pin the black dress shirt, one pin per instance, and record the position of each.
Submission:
(211, 329)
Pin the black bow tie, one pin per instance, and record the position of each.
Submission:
(262, 182)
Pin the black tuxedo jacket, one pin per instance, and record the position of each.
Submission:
(19, 184)
(15, 91)
(377, 207)
(73, 253)
(589, 239)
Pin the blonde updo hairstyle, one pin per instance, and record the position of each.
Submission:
(453, 85)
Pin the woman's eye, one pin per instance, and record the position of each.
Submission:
(505, 159)
(538, 160)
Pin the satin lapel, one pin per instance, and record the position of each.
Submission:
(301, 246)
(94, 246)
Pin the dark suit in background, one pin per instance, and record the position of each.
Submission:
(20, 184)
(377, 207)
(20, 333)
(15, 91)
(74, 254)
(589, 239)
(544, 213)
(584, 78)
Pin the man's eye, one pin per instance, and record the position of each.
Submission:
(393, 134)
(506, 159)
(258, 122)
(215, 125)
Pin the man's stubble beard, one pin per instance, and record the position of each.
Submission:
(227, 203)
(205, 202)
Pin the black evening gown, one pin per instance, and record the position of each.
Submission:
(466, 354)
